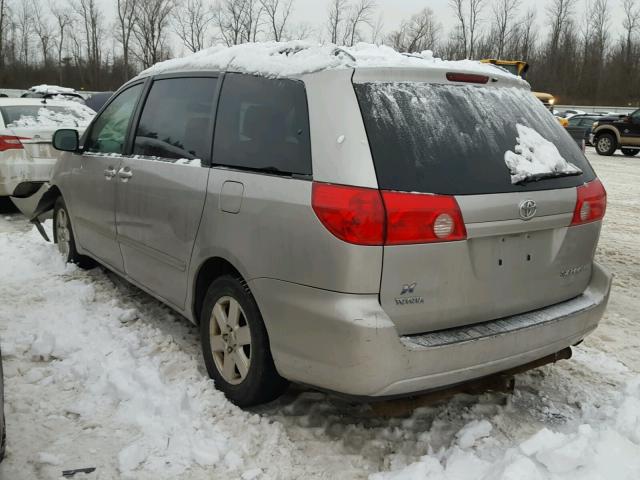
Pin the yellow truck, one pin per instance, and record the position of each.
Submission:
(520, 68)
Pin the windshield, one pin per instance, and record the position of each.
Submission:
(46, 115)
(451, 139)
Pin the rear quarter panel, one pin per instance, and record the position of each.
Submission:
(277, 235)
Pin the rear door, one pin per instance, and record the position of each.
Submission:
(91, 189)
(519, 253)
(162, 187)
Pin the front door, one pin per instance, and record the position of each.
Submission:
(162, 187)
(93, 186)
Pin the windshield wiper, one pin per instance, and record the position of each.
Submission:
(547, 175)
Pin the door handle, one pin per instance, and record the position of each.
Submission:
(125, 174)
(109, 173)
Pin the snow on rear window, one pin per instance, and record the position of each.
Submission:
(55, 116)
(534, 156)
(452, 139)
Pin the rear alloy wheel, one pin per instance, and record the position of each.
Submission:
(235, 344)
(606, 144)
(630, 152)
(63, 237)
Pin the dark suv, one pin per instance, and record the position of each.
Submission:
(617, 132)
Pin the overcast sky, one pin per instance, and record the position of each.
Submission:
(314, 12)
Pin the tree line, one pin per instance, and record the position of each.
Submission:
(573, 46)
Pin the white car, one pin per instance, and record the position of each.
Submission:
(26, 128)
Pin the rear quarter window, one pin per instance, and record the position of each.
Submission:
(452, 139)
(263, 124)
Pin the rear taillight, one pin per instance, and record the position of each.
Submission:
(422, 218)
(10, 142)
(365, 216)
(591, 204)
(355, 215)
(467, 78)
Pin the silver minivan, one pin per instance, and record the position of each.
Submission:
(355, 229)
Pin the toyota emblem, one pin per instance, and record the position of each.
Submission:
(528, 209)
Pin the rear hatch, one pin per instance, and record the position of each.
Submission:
(450, 140)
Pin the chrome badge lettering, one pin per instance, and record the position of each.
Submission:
(407, 290)
(570, 272)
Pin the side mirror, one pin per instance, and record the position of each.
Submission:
(66, 140)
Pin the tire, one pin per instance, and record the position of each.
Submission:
(606, 144)
(630, 152)
(236, 346)
(63, 237)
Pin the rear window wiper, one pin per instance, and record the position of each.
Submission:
(548, 175)
(270, 169)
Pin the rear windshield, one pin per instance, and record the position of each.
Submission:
(46, 116)
(451, 139)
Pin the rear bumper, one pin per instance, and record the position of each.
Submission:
(347, 344)
(18, 169)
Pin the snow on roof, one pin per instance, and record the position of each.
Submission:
(45, 89)
(287, 59)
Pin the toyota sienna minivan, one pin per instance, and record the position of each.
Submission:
(374, 227)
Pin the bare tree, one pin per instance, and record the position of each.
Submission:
(192, 23)
(559, 13)
(360, 15)
(230, 18)
(377, 30)
(631, 25)
(278, 13)
(150, 30)
(252, 20)
(468, 13)
(525, 36)
(302, 30)
(91, 20)
(337, 12)
(43, 30)
(504, 12)
(62, 16)
(126, 13)
(417, 34)
(24, 20)
(3, 21)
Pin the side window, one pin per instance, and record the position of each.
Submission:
(177, 119)
(109, 130)
(263, 124)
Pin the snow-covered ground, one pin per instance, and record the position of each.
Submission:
(98, 374)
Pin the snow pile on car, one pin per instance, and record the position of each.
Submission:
(71, 114)
(285, 59)
(45, 89)
(534, 155)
